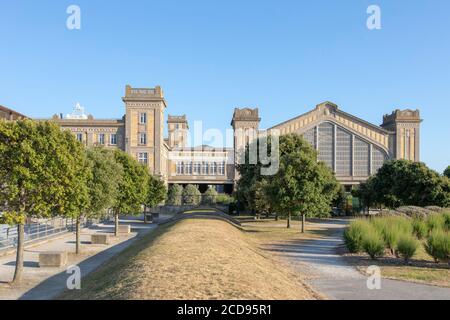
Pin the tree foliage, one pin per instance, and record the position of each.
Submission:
(302, 185)
(156, 192)
(210, 195)
(403, 182)
(42, 174)
(191, 195)
(175, 194)
(447, 172)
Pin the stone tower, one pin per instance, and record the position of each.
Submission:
(178, 130)
(245, 125)
(144, 126)
(405, 140)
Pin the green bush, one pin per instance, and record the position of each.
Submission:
(435, 221)
(420, 228)
(191, 195)
(446, 216)
(353, 235)
(224, 198)
(438, 245)
(210, 195)
(407, 246)
(373, 244)
(391, 228)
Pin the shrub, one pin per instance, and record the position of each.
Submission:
(435, 222)
(174, 195)
(407, 246)
(420, 228)
(210, 195)
(224, 198)
(391, 228)
(353, 235)
(191, 195)
(373, 244)
(438, 245)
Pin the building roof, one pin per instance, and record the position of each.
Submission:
(8, 110)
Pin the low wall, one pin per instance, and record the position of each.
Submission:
(179, 209)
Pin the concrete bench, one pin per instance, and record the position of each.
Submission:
(125, 228)
(100, 238)
(52, 259)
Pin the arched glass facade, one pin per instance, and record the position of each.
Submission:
(346, 153)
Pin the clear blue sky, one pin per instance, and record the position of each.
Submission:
(212, 56)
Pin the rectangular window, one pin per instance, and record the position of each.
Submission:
(143, 157)
(113, 139)
(197, 168)
(213, 168)
(180, 167)
(189, 168)
(80, 137)
(142, 138)
(143, 118)
(205, 168)
(101, 138)
(221, 168)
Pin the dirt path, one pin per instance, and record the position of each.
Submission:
(332, 276)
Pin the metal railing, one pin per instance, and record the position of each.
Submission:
(39, 229)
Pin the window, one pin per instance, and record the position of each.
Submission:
(343, 153)
(113, 139)
(197, 168)
(101, 138)
(189, 168)
(221, 168)
(143, 118)
(361, 161)
(143, 157)
(180, 168)
(326, 149)
(142, 138)
(213, 168)
(378, 159)
(80, 137)
(205, 168)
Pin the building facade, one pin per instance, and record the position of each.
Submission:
(353, 148)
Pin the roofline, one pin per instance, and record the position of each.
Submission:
(13, 111)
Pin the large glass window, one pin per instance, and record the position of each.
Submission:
(221, 168)
(378, 159)
(80, 137)
(326, 150)
(180, 167)
(343, 153)
(205, 167)
(113, 139)
(310, 136)
(361, 161)
(213, 168)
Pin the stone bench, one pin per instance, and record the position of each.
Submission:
(52, 259)
(125, 229)
(100, 238)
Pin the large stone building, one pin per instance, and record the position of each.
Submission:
(352, 147)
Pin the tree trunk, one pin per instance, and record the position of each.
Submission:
(303, 223)
(145, 214)
(78, 236)
(19, 254)
(289, 221)
(276, 216)
(116, 229)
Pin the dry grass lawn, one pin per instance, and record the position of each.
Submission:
(194, 259)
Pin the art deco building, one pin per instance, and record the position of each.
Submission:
(353, 148)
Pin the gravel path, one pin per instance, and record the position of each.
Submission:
(332, 276)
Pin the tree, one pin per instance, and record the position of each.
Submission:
(262, 200)
(156, 192)
(447, 172)
(403, 182)
(175, 194)
(41, 175)
(191, 195)
(102, 182)
(132, 187)
(210, 195)
(302, 185)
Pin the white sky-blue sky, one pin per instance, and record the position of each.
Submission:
(210, 57)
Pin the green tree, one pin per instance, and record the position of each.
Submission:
(41, 175)
(447, 172)
(132, 187)
(210, 195)
(102, 181)
(156, 192)
(175, 194)
(263, 204)
(191, 195)
(403, 182)
(302, 185)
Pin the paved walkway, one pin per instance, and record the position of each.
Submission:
(332, 276)
(47, 283)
